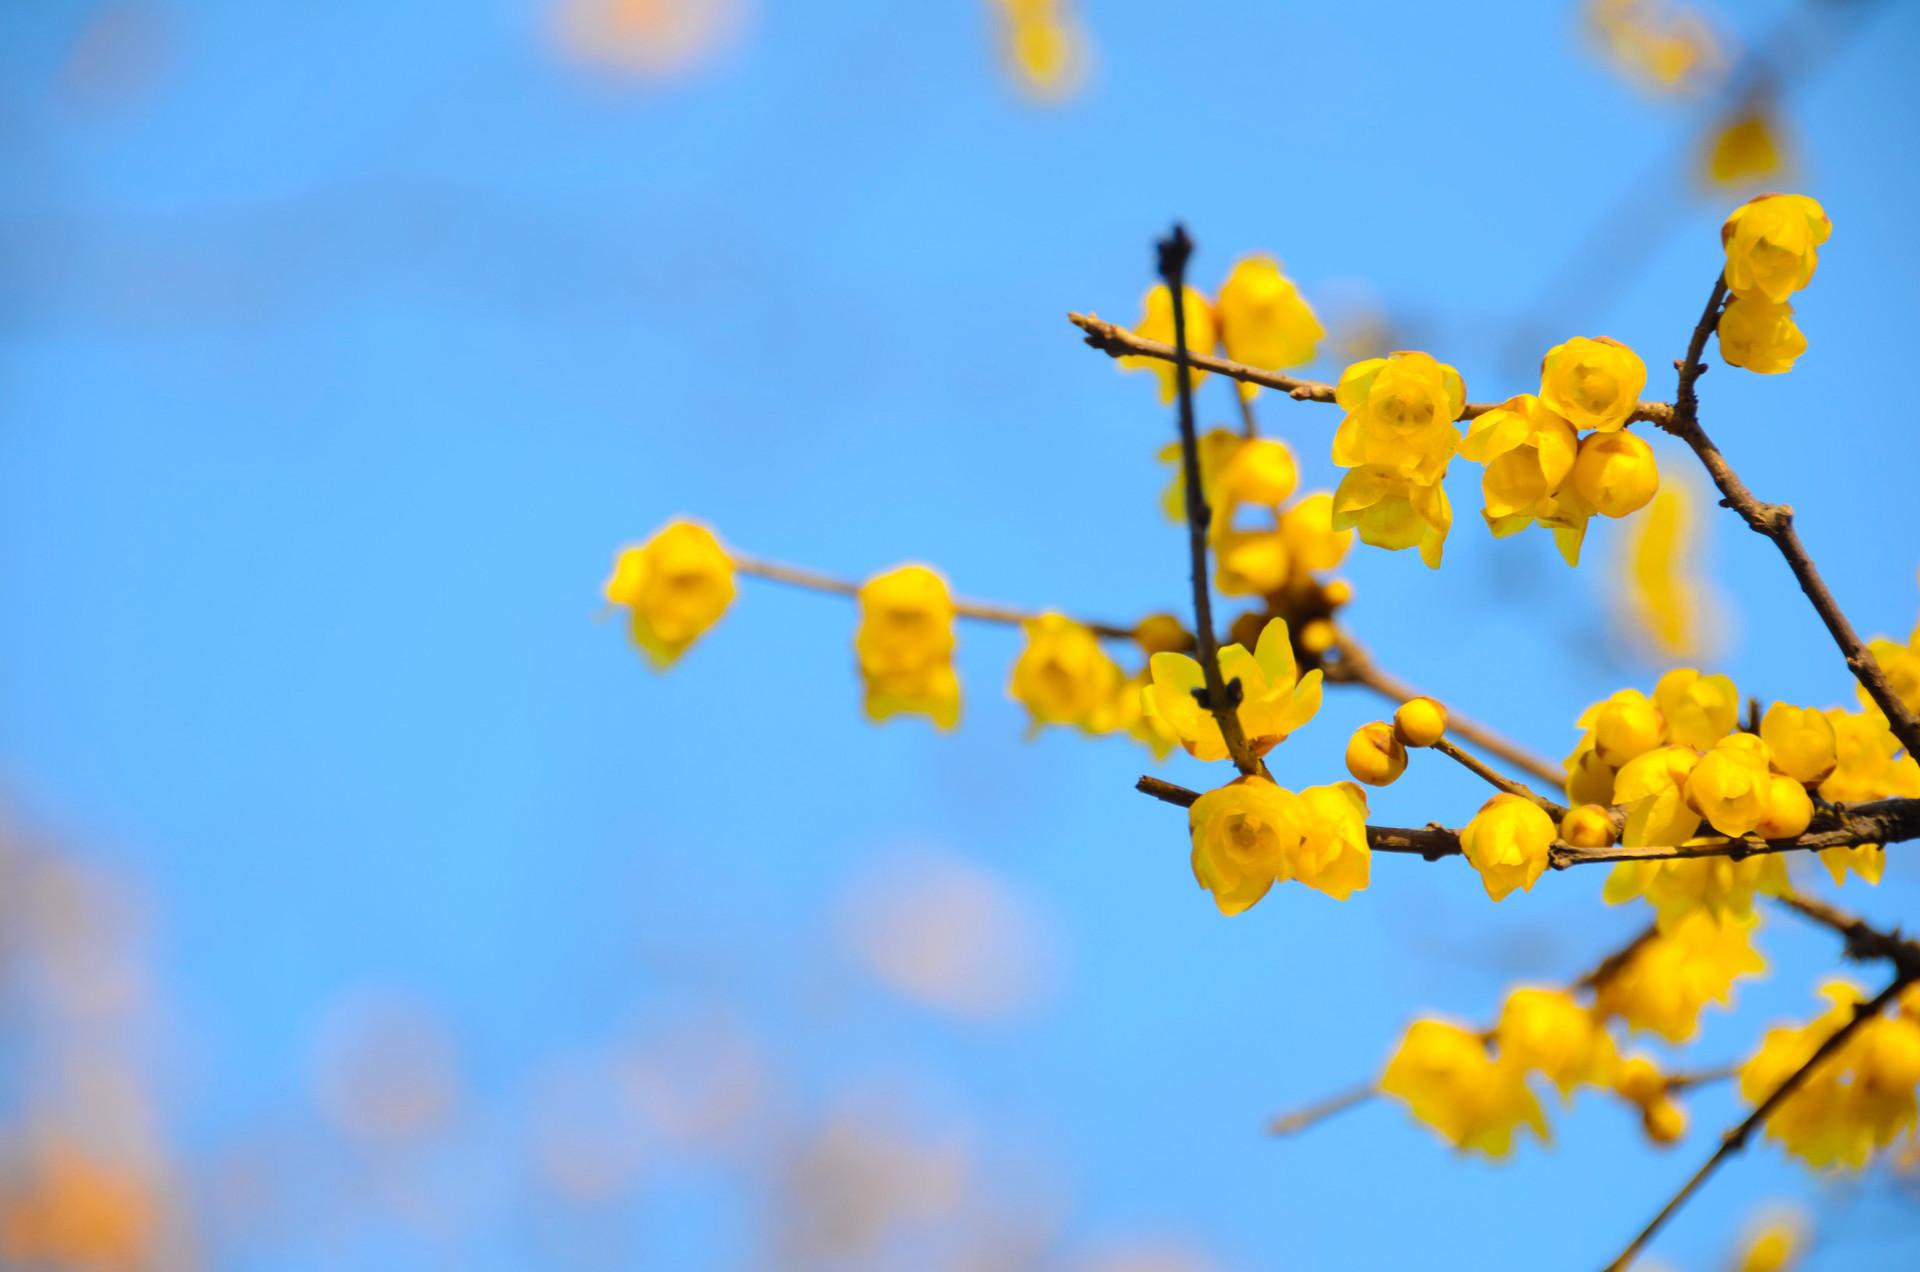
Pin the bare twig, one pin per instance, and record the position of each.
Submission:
(1499, 781)
(1174, 251)
(1736, 1139)
(1775, 521)
(1320, 1110)
(983, 611)
(1116, 341)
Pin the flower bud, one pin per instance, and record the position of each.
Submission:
(1162, 634)
(1801, 741)
(1375, 756)
(1592, 383)
(1587, 826)
(1639, 1079)
(1664, 1121)
(1420, 722)
(1760, 335)
(1789, 810)
(1615, 473)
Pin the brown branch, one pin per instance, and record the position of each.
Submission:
(1174, 251)
(1775, 521)
(1320, 1110)
(1886, 821)
(1356, 667)
(984, 611)
(1116, 341)
(1864, 941)
(1499, 781)
(1736, 1139)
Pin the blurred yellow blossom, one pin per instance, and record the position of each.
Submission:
(1263, 320)
(1156, 323)
(1661, 986)
(1547, 1032)
(1674, 610)
(1476, 1102)
(1063, 676)
(1045, 46)
(905, 646)
(675, 586)
(1746, 148)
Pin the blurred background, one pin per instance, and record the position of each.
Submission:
(367, 903)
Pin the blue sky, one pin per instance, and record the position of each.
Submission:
(339, 353)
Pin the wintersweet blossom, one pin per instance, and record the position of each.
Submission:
(905, 646)
(674, 586)
(1263, 320)
(1156, 323)
(1662, 985)
(1400, 416)
(1063, 676)
(1760, 335)
(1475, 1101)
(1508, 842)
(1772, 245)
(1275, 700)
(1592, 383)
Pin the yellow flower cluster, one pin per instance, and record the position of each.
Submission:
(1859, 1099)
(1539, 469)
(1275, 700)
(1449, 1080)
(674, 586)
(1772, 247)
(1662, 985)
(1261, 320)
(1252, 834)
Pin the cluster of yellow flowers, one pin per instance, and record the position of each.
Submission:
(1261, 320)
(1859, 1099)
(1253, 833)
(1772, 245)
(1676, 763)
(1044, 45)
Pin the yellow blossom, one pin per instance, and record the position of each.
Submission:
(1615, 473)
(1251, 834)
(1745, 149)
(1333, 855)
(1507, 842)
(1122, 712)
(1528, 452)
(1772, 244)
(1592, 383)
(1869, 861)
(1776, 1246)
(1732, 785)
(1800, 740)
(1156, 323)
(1664, 1121)
(1678, 888)
(1261, 470)
(675, 586)
(1162, 633)
(1312, 542)
(1250, 562)
(1217, 447)
(1789, 809)
(1860, 1097)
(1587, 826)
(1901, 666)
(1699, 710)
(905, 646)
(1651, 787)
(1589, 776)
(1445, 1076)
(1673, 609)
(1760, 335)
(1547, 1032)
(1868, 764)
(1420, 722)
(1375, 756)
(1062, 676)
(1263, 320)
(1275, 699)
(1622, 727)
(1391, 511)
(1661, 986)
(1400, 416)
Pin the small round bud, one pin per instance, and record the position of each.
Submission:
(1245, 629)
(1664, 1121)
(1317, 636)
(1375, 756)
(1162, 634)
(1420, 722)
(1615, 473)
(1337, 592)
(1587, 826)
(1789, 810)
(1639, 1079)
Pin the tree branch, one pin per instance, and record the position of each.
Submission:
(1775, 521)
(1174, 251)
(1498, 781)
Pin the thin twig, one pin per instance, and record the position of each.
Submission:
(1320, 1110)
(1736, 1139)
(1775, 521)
(1116, 341)
(983, 611)
(1174, 251)
(1355, 666)
(1499, 781)
(1249, 422)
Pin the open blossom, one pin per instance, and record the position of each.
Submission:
(1529, 453)
(1732, 785)
(1772, 245)
(1652, 788)
(1800, 740)
(675, 586)
(1263, 320)
(1592, 383)
(905, 646)
(1063, 676)
(1699, 710)
(1661, 986)
(1476, 1102)
(1217, 447)
(1858, 1100)
(1313, 544)
(1393, 511)
(1760, 335)
(1250, 834)
(1275, 700)
(1156, 323)
(1620, 727)
(1508, 842)
(1547, 1032)
(1400, 416)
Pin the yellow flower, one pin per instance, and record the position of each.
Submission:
(1869, 861)
(1615, 473)
(1672, 607)
(1547, 1032)
(1652, 789)
(1375, 756)
(1250, 562)
(1243, 834)
(1528, 452)
(1800, 740)
(1623, 727)
(676, 585)
(1760, 335)
(1162, 633)
(1662, 985)
(1122, 713)
(1156, 323)
(1901, 666)
(905, 646)
(1063, 676)
(1777, 1246)
(1217, 447)
(1587, 826)
(1400, 416)
(1045, 48)
(1746, 149)
(1772, 244)
(1789, 809)
(1731, 786)
(1589, 776)
(1699, 710)
(1312, 542)
(1868, 765)
(1592, 383)
(1333, 856)
(1393, 512)
(1507, 842)
(1718, 887)
(1275, 699)
(1420, 722)
(1445, 1076)
(1859, 1099)
(1263, 320)
(1261, 470)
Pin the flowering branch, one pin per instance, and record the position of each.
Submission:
(1887, 821)
(1117, 342)
(1224, 703)
(1775, 521)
